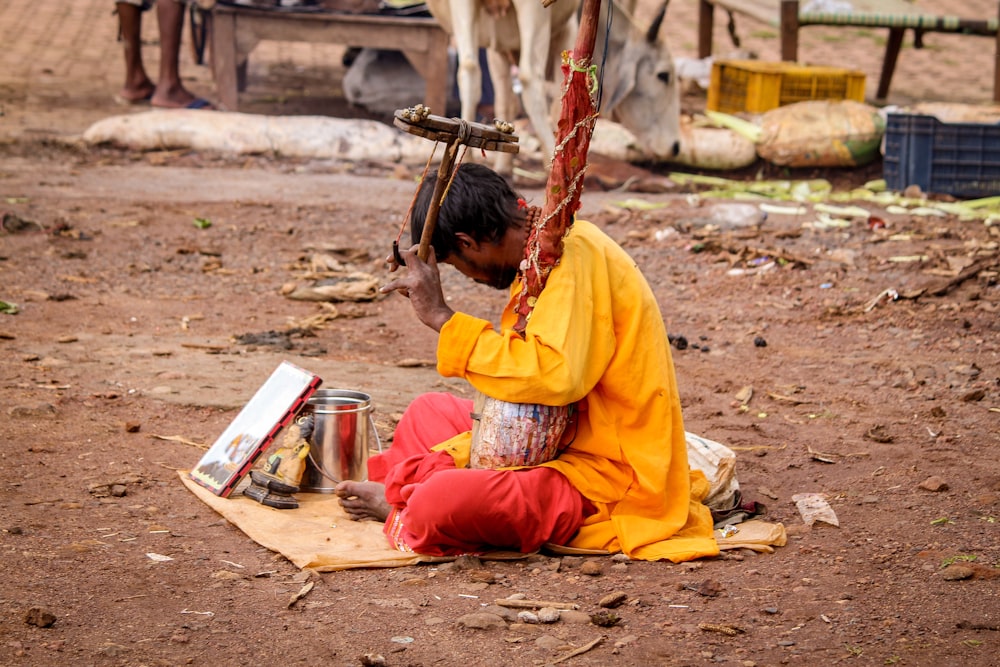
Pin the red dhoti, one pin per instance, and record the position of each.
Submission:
(441, 510)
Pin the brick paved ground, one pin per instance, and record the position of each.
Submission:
(60, 63)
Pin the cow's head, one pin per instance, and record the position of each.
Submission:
(641, 89)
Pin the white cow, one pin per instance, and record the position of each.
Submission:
(639, 85)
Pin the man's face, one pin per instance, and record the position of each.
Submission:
(485, 269)
(493, 263)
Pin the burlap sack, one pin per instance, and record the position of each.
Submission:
(821, 133)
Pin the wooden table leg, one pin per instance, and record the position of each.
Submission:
(432, 66)
(996, 67)
(790, 30)
(224, 60)
(706, 25)
(892, 47)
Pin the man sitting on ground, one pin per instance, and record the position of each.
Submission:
(595, 339)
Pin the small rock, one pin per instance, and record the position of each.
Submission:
(69, 338)
(394, 603)
(112, 650)
(479, 586)
(620, 558)
(934, 484)
(40, 410)
(132, 427)
(39, 617)
(987, 499)
(878, 433)
(797, 529)
(613, 600)
(506, 613)
(764, 491)
(605, 618)
(759, 341)
(414, 581)
(482, 621)
(550, 643)
(591, 568)
(372, 660)
(548, 615)
(974, 396)
(956, 572)
(574, 617)
(709, 588)
(529, 617)
(468, 563)
(482, 577)
(118, 490)
(619, 567)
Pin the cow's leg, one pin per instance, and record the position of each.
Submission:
(534, 24)
(504, 102)
(464, 19)
(563, 39)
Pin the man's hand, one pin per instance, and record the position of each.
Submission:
(421, 283)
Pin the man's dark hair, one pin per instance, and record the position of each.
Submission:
(479, 202)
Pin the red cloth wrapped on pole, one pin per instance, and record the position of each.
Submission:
(569, 163)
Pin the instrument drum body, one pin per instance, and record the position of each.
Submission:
(516, 434)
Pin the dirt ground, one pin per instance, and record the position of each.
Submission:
(139, 332)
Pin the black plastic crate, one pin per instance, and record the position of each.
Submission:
(960, 159)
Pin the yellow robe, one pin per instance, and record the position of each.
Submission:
(596, 338)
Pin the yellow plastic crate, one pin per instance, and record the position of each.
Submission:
(756, 86)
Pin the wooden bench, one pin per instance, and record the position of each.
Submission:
(897, 16)
(236, 31)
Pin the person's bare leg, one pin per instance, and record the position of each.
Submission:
(170, 92)
(137, 86)
(363, 500)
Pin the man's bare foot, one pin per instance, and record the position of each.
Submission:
(363, 500)
(177, 97)
(137, 94)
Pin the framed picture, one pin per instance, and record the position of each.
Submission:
(274, 405)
